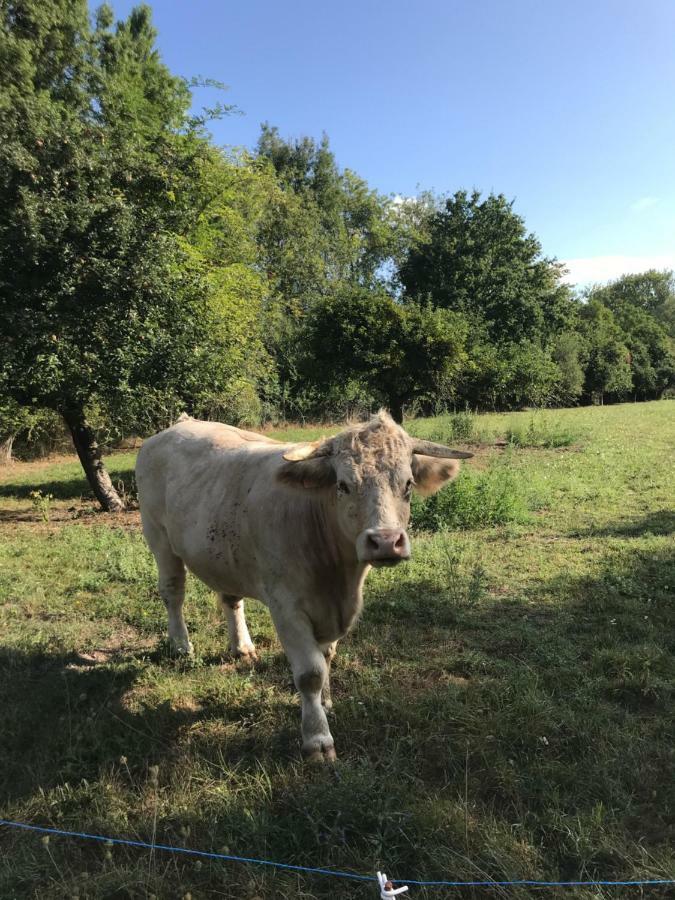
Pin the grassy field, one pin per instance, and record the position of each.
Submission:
(504, 709)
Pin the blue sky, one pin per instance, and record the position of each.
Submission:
(568, 107)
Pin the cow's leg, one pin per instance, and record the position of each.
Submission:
(310, 673)
(329, 651)
(171, 587)
(232, 610)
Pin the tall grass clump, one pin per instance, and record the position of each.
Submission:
(459, 427)
(541, 432)
(473, 500)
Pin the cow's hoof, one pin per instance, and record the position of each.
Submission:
(318, 757)
(182, 649)
(246, 654)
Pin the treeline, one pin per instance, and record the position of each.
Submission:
(145, 271)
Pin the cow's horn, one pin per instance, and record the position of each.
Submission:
(429, 448)
(307, 450)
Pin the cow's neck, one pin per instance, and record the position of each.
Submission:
(342, 573)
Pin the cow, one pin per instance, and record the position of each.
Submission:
(297, 526)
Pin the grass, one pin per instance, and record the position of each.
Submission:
(504, 709)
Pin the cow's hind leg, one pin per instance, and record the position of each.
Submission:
(329, 651)
(171, 587)
(310, 673)
(232, 610)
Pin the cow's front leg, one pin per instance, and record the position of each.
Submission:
(232, 610)
(310, 673)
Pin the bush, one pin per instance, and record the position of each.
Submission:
(541, 432)
(473, 500)
(449, 429)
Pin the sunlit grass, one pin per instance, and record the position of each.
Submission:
(504, 708)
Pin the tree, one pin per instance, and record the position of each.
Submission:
(643, 306)
(361, 346)
(651, 291)
(510, 375)
(103, 302)
(476, 257)
(608, 370)
(326, 227)
(569, 355)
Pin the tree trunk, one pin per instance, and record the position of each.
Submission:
(90, 456)
(6, 450)
(396, 410)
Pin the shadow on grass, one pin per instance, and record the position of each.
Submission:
(523, 737)
(64, 720)
(657, 523)
(76, 488)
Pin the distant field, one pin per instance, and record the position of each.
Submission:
(504, 709)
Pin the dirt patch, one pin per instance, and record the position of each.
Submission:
(123, 643)
(59, 516)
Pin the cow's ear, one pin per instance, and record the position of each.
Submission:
(304, 450)
(308, 473)
(431, 473)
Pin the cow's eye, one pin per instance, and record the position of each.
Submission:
(408, 487)
(343, 487)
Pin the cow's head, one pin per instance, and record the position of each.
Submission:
(369, 472)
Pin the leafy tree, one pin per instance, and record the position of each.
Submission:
(361, 346)
(509, 375)
(326, 228)
(103, 301)
(608, 370)
(476, 257)
(569, 354)
(13, 420)
(651, 291)
(322, 230)
(643, 306)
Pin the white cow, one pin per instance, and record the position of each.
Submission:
(297, 526)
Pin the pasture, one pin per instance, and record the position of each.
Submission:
(504, 708)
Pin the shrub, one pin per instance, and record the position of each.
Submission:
(473, 500)
(541, 432)
(449, 429)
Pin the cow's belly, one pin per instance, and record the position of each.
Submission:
(225, 580)
(216, 554)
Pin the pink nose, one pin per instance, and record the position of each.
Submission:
(386, 543)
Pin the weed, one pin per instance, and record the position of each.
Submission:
(459, 426)
(541, 431)
(41, 503)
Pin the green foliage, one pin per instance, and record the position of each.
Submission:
(509, 375)
(608, 370)
(476, 257)
(569, 353)
(459, 426)
(541, 431)
(473, 500)
(41, 504)
(359, 345)
(127, 287)
(643, 309)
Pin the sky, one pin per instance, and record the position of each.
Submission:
(566, 107)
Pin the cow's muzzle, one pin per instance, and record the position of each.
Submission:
(383, 546)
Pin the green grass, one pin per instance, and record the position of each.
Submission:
(504, 708)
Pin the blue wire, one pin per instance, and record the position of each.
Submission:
(266, 862)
